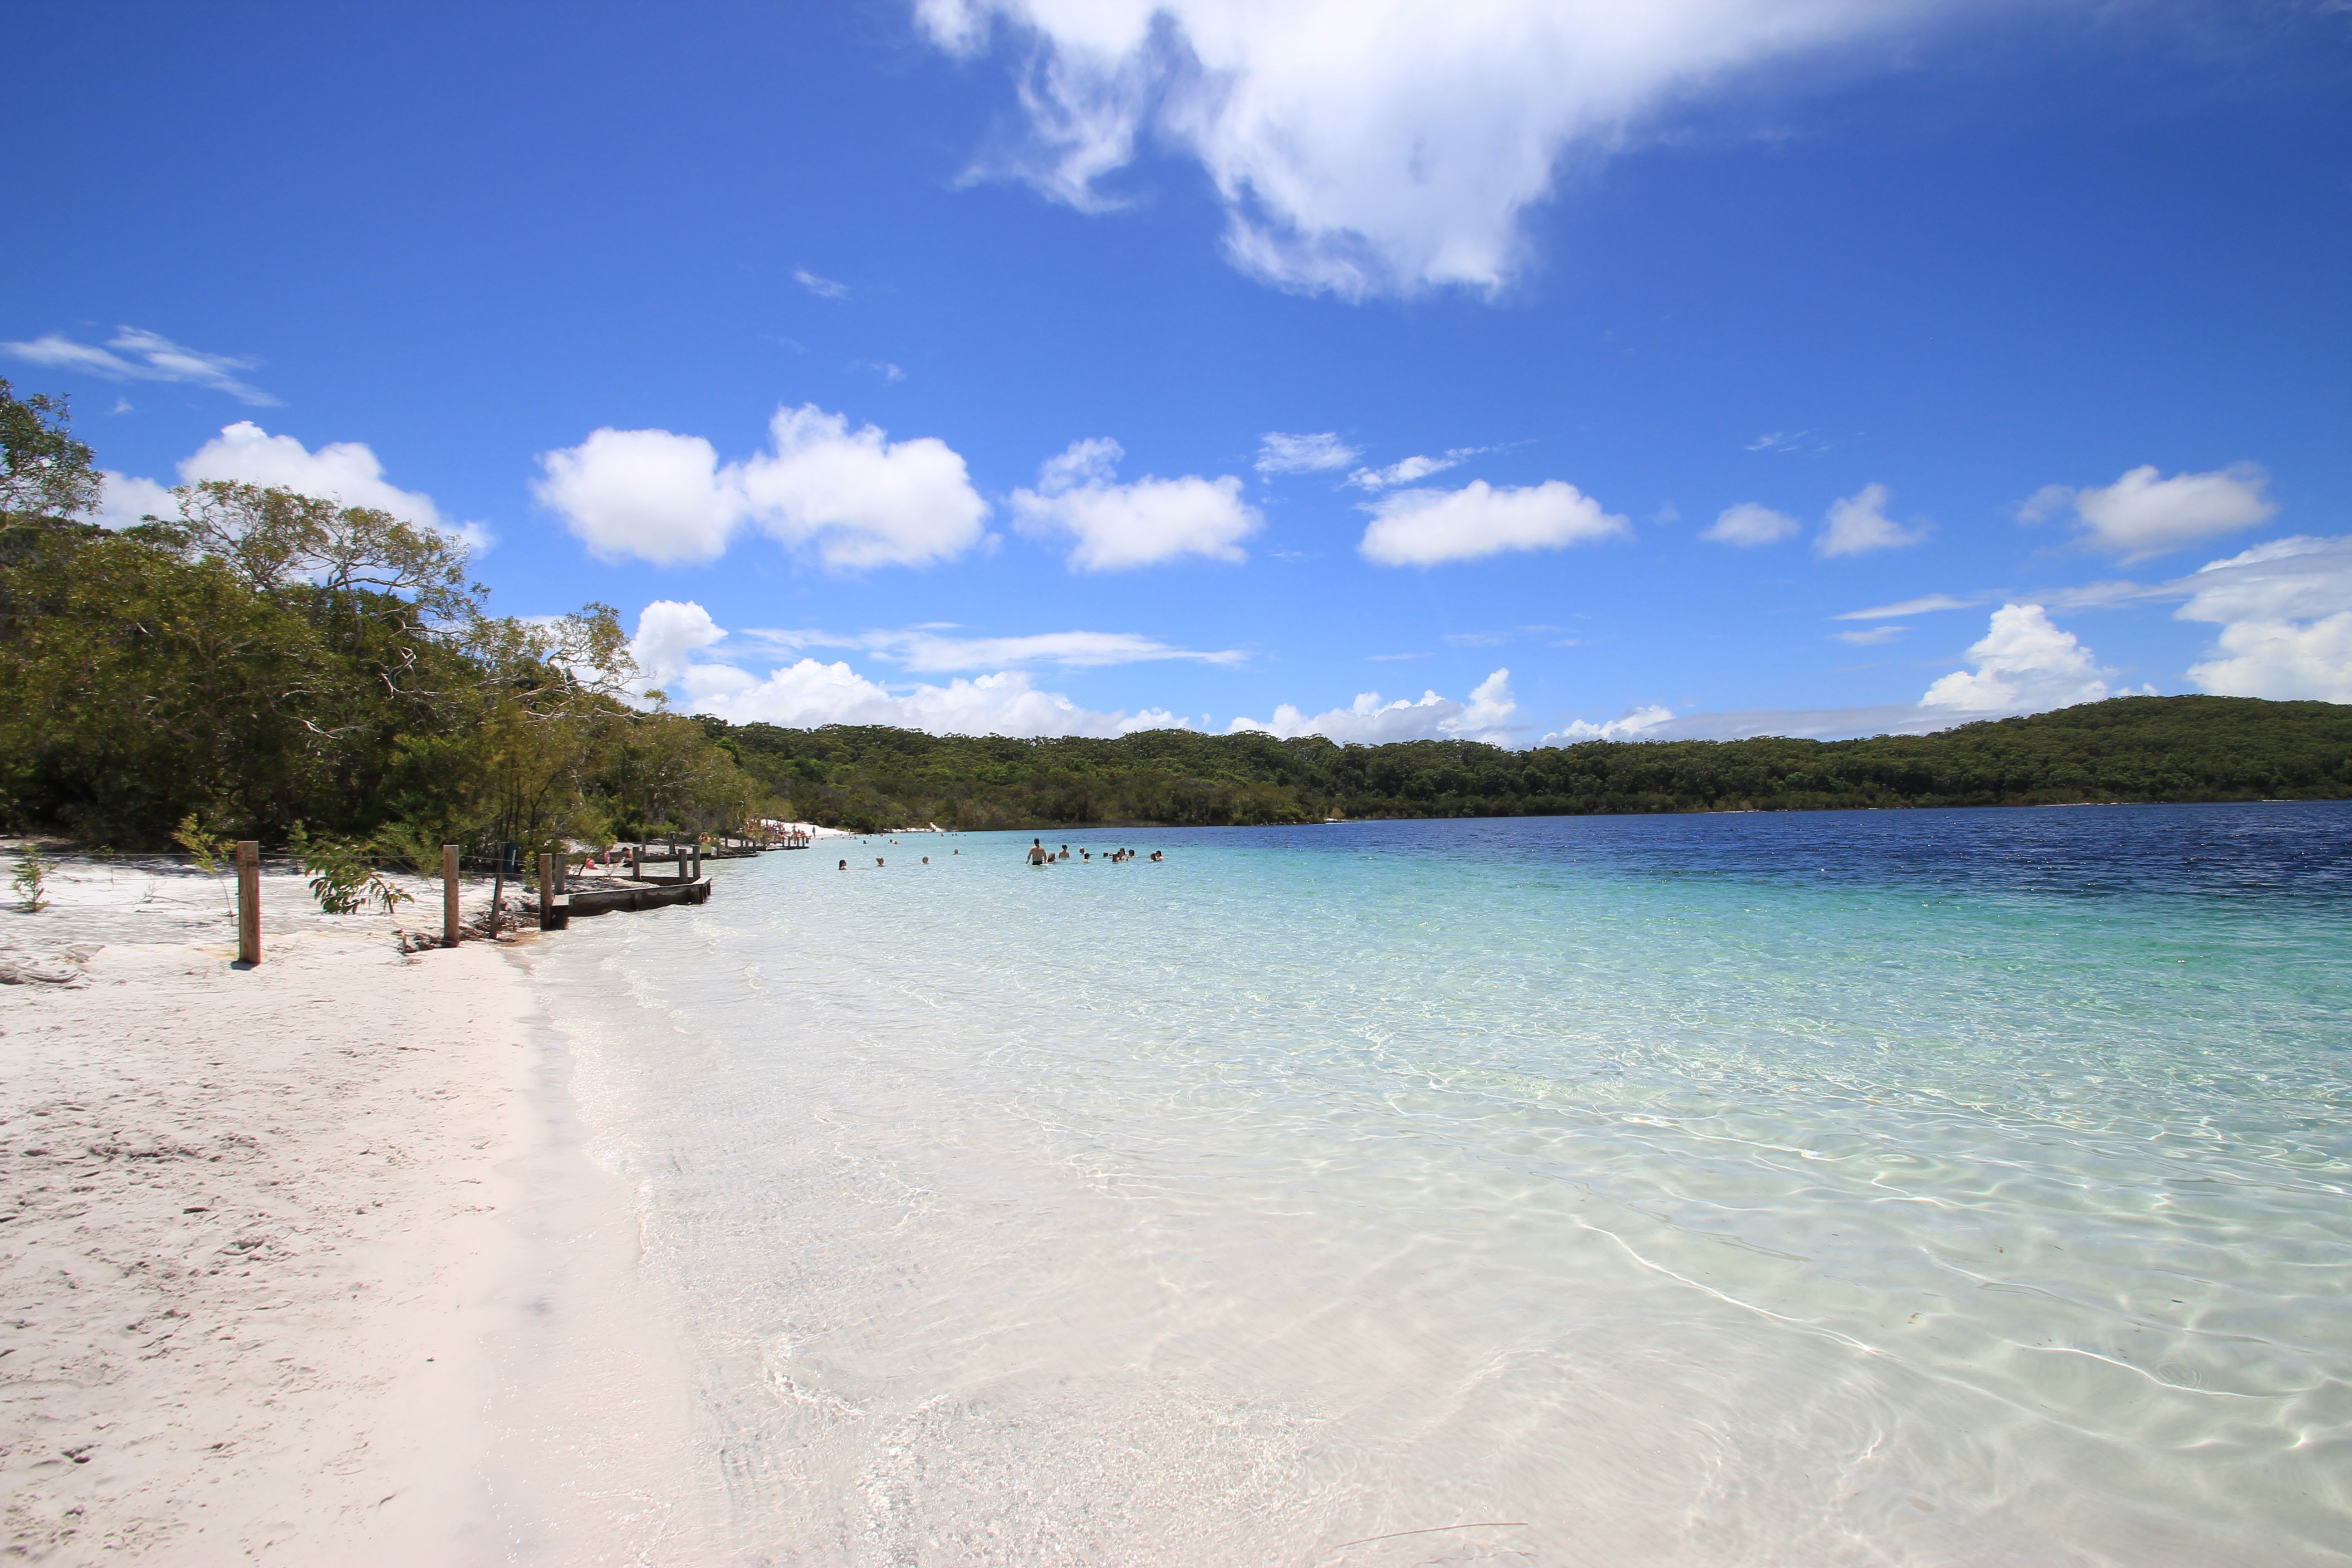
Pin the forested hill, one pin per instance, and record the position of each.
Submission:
(2128, 749)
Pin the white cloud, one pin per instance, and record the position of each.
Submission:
(854, 498)
(1369, 146)
(1280, 454)
(151, 357)
(2285, 614)
(1859, 524)
(347, 472)
(1407, 470)
(1750, 524)
(1871, 638)
(1635, 725)
(126, 499)
(806, 692)
(2142, 514)
(649, 493)
(1145, 524)
(1932, 603)
(823, 287)
(2023, 665)
(1370, 722)
(926, 649)
(859, 499)
(669, 633)
(1425, 527)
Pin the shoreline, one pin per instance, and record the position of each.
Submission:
(282, 1247)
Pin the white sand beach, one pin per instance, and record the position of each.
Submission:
(262, 1240)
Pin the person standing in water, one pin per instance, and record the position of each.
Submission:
(1037, 856)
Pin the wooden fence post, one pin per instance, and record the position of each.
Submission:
(449, 895)
(248, 901)
(546, 891)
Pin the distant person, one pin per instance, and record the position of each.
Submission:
(1156, 854)
(877, 862)
(927, 860)
(1037, 856)
(844, 865)
(1086, 854)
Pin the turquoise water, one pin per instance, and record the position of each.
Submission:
(1847, 1188)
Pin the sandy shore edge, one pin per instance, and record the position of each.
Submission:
(275, 1245)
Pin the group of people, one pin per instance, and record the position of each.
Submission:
(1040, 856)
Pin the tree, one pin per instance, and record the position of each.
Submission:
(44, 471)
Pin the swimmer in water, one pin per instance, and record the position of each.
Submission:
(844, 865)
(927, 860)
(1037, 856)
(1156, 854)
(877, 862)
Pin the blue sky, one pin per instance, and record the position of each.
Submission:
(936, 350)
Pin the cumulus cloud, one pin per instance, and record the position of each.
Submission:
(2023, 665)
(1750, 524)
(2142, 514)
(347, 472)
(1369, 721)
(1636, 724)
(808, 692)
(669, 633)
(125, 500)
(1859, 524)
(1118, 526)
(930, 649)
(135, 354)
(2285, 614)
(1280, 454)
(1427, 528)
(649, 493)
(1370, 146)
(855, 499)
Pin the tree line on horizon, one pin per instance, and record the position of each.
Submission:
(2127, 749)
(277, 665)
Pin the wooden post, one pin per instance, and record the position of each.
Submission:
(248, 901)
(449, 895)
(546, 891)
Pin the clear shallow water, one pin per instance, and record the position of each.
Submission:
(1876, 1187)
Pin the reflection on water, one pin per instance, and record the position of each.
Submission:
(1892, 1188)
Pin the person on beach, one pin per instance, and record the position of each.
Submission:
(1037, 856)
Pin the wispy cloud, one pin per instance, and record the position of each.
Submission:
(1788, 441)
(1933, 602)
(929, 648)
(1871, 638)
(1280, 453)
(882, 367)
(1408, 469)
(823, 287)
(136, 355)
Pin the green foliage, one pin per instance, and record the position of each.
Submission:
(31, 881)
(343, 877)
(44, 471)
(2128, 749)
(206, 849)
(263, 657)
